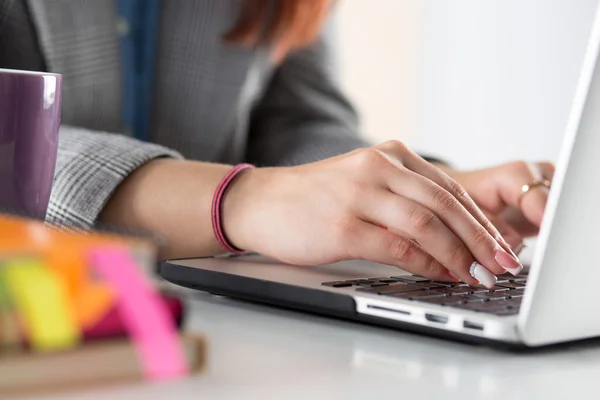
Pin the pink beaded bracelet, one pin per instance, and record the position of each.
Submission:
(216, 207)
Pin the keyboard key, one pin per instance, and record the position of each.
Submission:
(445, 301)
(416, 294)
(505, 311)
(373, 284)
(496, 288)
(461, 290)
(359, 281)
(512, 285)
(516, 302)
(450, 284)
(473, 298)
(472, 306)
(397, 288)
(428, 285)
(444, 291)
(387, 281)
(411, 278)
(436, 300)
(491, 295)
(337, 284)
(506, 276)
(519, 278)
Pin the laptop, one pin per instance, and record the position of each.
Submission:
(556, 300)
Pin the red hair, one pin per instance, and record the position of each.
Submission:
(285, 24)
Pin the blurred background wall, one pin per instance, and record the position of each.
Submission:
(477, 82)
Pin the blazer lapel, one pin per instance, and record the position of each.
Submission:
(79, 40)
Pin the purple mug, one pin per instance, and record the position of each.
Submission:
(30, 104)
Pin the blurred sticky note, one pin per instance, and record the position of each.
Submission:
(145, 316)
(91, 298)
(92, 302)
(9, 328)
(41, 297)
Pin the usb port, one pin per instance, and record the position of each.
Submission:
(473, 325)
(440, 319)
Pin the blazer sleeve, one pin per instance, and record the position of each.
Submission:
(303, 115)
(90, 166)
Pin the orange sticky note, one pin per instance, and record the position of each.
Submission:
(92, 303)
(91, 299)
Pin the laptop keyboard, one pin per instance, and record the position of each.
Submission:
(503, 299)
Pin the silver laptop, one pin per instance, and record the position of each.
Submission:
(556, 300)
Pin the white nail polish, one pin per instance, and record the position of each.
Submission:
(515, 271)
(481, 273)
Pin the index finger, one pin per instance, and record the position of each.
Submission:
(437, 191)
(417, 164)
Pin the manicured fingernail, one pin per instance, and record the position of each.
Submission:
(483, 275)
(508, 248)
(508, 262)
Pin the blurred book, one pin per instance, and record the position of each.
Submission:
(66, 296)
(94, 365)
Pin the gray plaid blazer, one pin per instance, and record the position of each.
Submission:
(212, 101)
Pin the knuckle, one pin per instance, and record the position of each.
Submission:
(369, 158)
(403, 249)
(459, 256)
(480, 237)
(444, 201)
(396, 145)
(519, 166)
(432, 268)
(457, 190)
(422, 220)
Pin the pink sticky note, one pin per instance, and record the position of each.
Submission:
(143, 314)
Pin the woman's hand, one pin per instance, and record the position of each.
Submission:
(383, 204)
(498, 192)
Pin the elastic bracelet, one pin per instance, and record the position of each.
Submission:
(216, 207)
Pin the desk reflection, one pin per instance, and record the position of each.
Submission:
(281, 346)
(260, 352)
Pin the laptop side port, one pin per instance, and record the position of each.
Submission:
(473, 325)
(440, 319)
(394, 310)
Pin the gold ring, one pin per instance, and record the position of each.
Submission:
(528, 187)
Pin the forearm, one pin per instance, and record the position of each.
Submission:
(171, 198)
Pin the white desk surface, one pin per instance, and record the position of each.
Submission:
(259, 352)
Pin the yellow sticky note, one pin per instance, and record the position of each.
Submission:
(41, 297)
